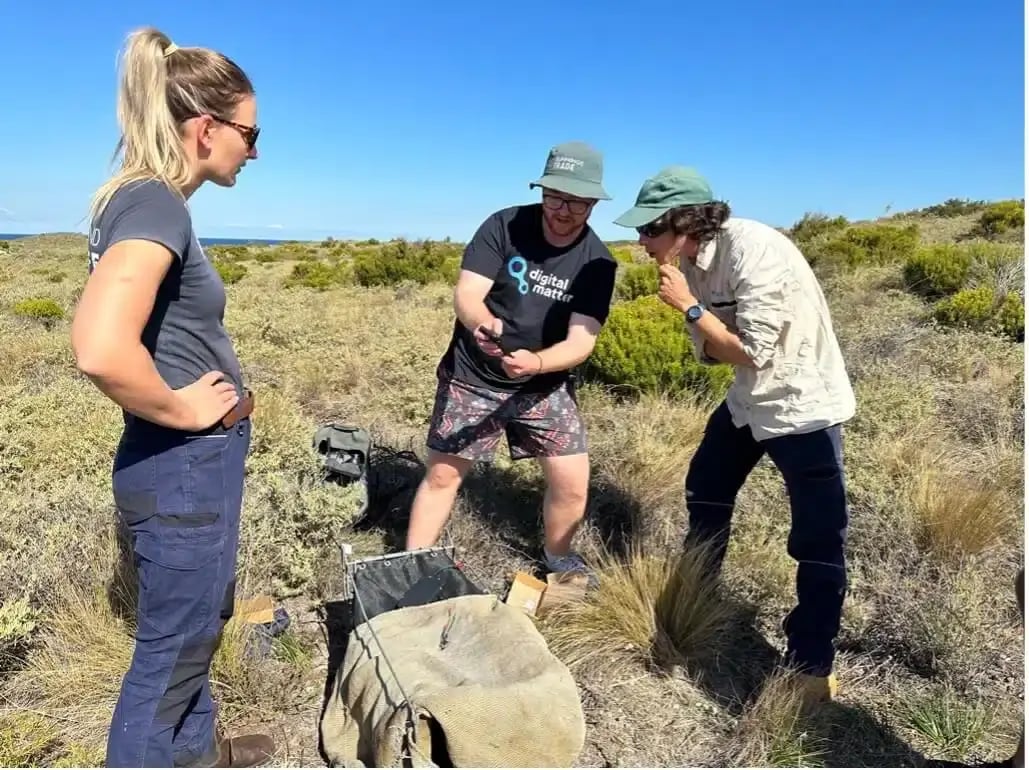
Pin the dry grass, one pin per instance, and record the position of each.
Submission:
(773, 732)
(659, 610)
(671, 671)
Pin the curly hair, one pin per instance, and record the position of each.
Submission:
(701, 222)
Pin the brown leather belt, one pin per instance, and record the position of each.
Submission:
(241, 410)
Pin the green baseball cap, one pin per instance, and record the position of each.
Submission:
(574, 168)
(669, 188)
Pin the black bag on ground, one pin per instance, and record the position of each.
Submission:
(346, 449)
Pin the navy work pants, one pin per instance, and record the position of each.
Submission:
(812, 467)
(179, 496)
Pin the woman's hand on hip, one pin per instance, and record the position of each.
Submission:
(206, 401)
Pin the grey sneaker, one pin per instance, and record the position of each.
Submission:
(570, 562)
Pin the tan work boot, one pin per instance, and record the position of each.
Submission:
(817, 689)
(244, 751)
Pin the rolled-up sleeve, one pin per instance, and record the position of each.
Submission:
(698, 345)
(760, 282)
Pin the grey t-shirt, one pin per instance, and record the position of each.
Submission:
(185, 333)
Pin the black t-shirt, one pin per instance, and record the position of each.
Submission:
(537, 287)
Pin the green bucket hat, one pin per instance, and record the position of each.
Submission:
(669, 188)
(574, 168)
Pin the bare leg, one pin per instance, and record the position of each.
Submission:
(435, 498)
(564, 503)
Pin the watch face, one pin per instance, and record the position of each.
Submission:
(694, 312)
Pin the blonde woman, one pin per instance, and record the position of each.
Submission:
(148, 332)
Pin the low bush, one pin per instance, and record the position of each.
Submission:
(623, 254)
(872, 244)
(637, 281)
(942, 269)
(317, 275)
(938, 270)
(953, 207)
(40, 309)
(999, 218)
(983, 309)
(231, 272)
(228, 253)
(401, 261)
(814, 225)
(645, 347)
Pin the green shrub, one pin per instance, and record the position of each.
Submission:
(938, 270)
(39, 308)
(296, 250)
(228, 253)
(952, 207)
(943, 269)
(316, 275)
(813, 225)
(638, 281)
(450, 269)
(231, 272)
(1011, 316)
(5, 246)
(401, 261)
(872, 244)
(623, 254)
(645, 347)
(983, 309)
(288, 251)
(999, 218)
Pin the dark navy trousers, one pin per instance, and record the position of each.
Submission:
(179, 496)
(812, 467)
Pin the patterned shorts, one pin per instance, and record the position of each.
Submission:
(468, 421)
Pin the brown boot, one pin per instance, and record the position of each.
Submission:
(817, 689)
(245, 751)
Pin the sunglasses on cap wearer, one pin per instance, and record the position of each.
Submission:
(555, 202)
(652, 229)
(249, 133)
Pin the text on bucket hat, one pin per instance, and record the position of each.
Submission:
(575, 168)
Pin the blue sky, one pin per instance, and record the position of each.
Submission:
(419, 118)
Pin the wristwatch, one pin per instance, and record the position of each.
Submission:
(694, 312)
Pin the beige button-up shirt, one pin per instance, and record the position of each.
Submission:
(758, 283)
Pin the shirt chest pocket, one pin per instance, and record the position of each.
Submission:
(723, 305)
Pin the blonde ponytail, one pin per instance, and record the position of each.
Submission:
(160, 86)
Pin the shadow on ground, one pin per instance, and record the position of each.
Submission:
(851, 736)
(507, 503)
(734, 674)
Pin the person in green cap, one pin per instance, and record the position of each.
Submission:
(534, 290)
(749, 298)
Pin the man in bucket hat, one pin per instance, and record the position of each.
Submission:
(533, 293)
(749, 298)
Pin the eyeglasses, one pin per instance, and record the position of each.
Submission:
(555, 202)
(652, 229)
(249, 133)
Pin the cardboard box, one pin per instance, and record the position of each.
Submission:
(259, 610)
(563, 587)
(526, 593)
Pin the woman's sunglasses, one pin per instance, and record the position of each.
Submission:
(249, 133)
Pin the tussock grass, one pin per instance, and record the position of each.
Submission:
(662, 611)
(775, 731)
